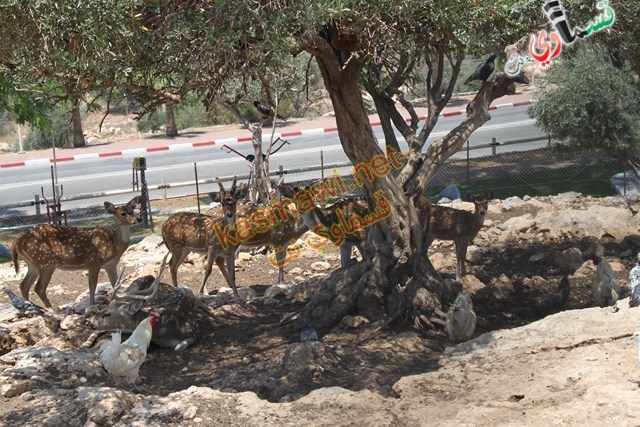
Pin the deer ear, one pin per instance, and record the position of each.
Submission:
(109, 207)
(134, 202)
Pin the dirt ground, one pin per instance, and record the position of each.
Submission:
(245, 349)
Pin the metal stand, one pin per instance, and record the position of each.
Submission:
(140, 165)
(55, 215)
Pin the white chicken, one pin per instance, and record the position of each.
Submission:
(124, 359)
(461, 319)
(634, 282)
(605, 289)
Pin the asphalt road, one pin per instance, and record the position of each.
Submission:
(104, 175)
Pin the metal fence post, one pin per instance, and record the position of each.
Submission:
(468, 162)
(493, 146)
(195, 169)
(37, 202)
(321, 164)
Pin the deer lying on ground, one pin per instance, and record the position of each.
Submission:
(187, 232)
(46, 248)
(461, 226)
(176, 307)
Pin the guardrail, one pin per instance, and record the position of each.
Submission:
(192, 183)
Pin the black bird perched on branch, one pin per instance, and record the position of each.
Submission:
(22, 305)
(267, 111)
(483, 71)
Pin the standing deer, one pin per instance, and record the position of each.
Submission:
(328, 215)
(187, 232)
(461, 226)
(45, 248)
(269, 226)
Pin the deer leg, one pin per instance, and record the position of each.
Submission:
(280, 259)
(93, 283)
(43, 282)
(112, 272)
(345, 255)
(229, 273)
(177, 257)
(28, 281)
(461, 254)
(207, 272)
(231, 269)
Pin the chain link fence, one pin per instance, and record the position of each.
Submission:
(499, 169)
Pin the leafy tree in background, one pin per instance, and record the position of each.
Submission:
(23, 106)
(587, 103)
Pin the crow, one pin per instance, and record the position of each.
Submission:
(267, 111)
(483, 71)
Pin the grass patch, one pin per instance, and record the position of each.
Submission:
(590, 180)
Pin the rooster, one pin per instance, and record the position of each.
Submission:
(634, 282)
(605, 289)
(551, 302)
(461, 319)
(124, 359)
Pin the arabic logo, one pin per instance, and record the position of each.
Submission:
(550, 46)
(602, 21)
(544, 47)
(555, 13)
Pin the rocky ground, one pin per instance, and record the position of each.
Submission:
(575, 367)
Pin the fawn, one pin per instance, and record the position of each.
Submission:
(46, 248)
(187, 232)
(458, 225)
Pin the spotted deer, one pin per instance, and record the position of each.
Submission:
(179, 317)
(275, 226)
(187, 232)
(461, 226)
(46, 248)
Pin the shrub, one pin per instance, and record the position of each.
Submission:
(59, 132)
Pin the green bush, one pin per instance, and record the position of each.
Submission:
(59, 132)
(189, 114)
(588, 104)
(152, 122)
(192, 115)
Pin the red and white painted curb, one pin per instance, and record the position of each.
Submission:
(190, 145)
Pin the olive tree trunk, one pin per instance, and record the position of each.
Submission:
(172, 129)
(76, 122)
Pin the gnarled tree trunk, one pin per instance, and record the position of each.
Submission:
(394, 254)
(395, 277)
